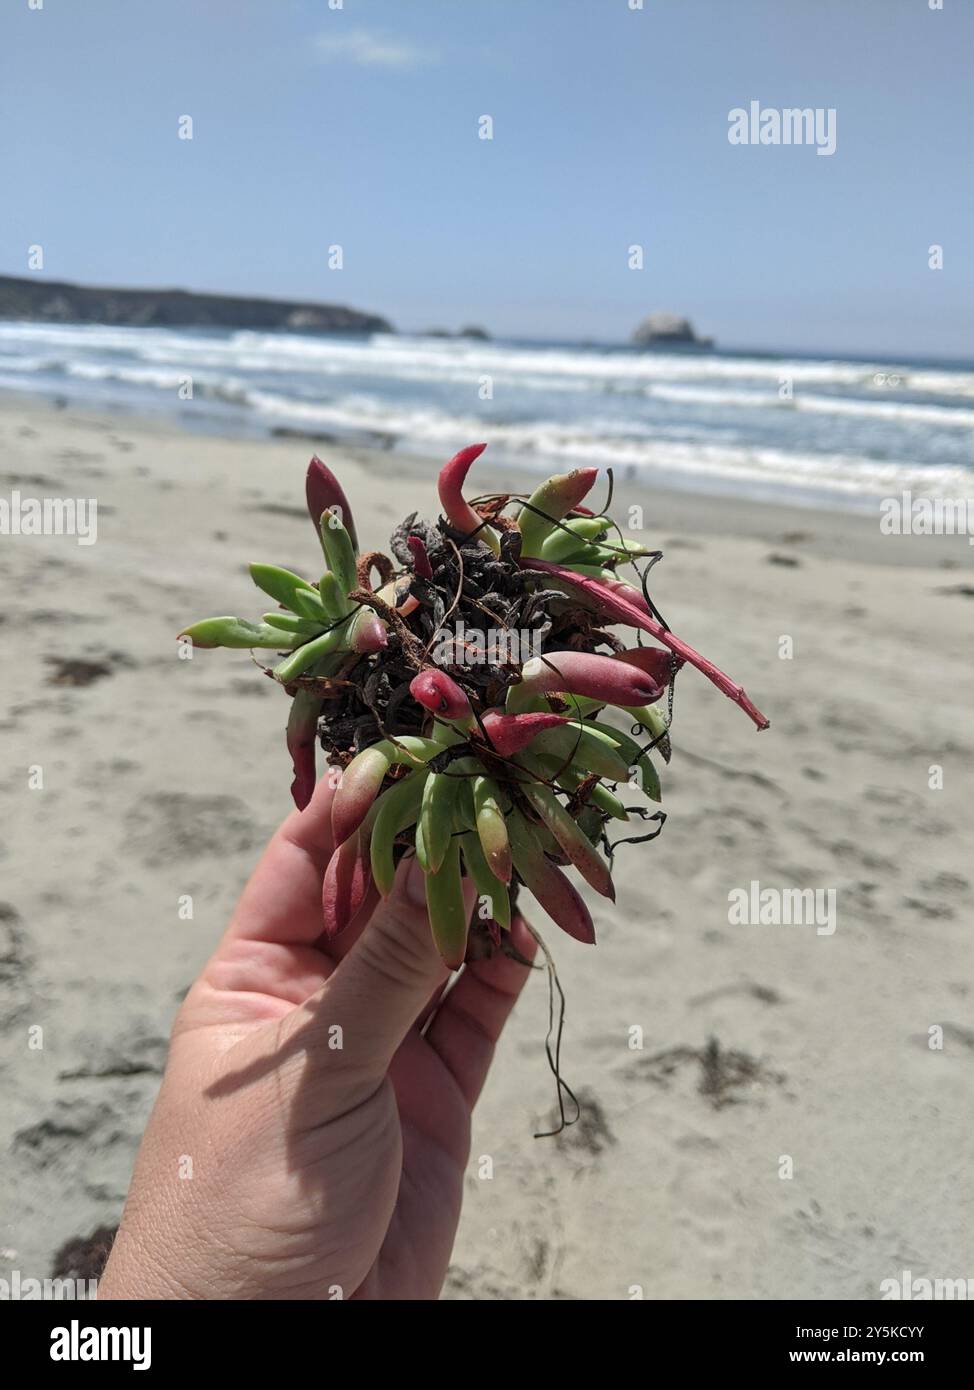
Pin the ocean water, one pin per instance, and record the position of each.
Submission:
(807, 429)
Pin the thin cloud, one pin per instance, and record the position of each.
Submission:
(371, 49)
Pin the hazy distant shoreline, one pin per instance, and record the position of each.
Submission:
(39, 300)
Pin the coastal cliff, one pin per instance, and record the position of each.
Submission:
(52, 301)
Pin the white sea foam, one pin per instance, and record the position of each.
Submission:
(841, 427)
(953, 417)
(600, 445)
(450, 359)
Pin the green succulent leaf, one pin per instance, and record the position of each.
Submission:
(603, 554)
(570, 541)
(305, 657)
(290, 590)
(440, 795)
(339, 552)
(397, 810)
(447, 910)
(235, 632)
(289, 622)
(335, 603)
(493, 895)
(571, 778)
(640, 766)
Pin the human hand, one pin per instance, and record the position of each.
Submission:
(327, 1134)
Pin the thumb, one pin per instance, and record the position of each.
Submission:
(377, 991)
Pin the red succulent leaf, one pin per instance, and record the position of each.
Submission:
(439, 693)
(459, 513)
(608, 599)
(324, 492)
(421, 561)
(657, 663)
(511, 733)
(302, 730)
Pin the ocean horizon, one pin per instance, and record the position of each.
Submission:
(834, 430)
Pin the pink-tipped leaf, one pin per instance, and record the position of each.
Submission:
(347, 881)
(511, 733)
(458, 512)
(553, 890)
(421, 560)
(588, 673)
(324, 492)
(608, 600)
(367, 632)
(362, 779)
(302, 730)
(659, 665)
(440, 694)
(555, 498)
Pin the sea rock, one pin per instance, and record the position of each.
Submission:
(668, 329)
(472, 331)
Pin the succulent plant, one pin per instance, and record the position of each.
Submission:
(462, 697)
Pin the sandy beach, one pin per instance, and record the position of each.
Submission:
(706, 1054)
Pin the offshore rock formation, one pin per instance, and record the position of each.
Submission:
(668, 330)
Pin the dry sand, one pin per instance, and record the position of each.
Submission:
(164, 777)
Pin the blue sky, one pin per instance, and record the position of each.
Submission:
(359, 126)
